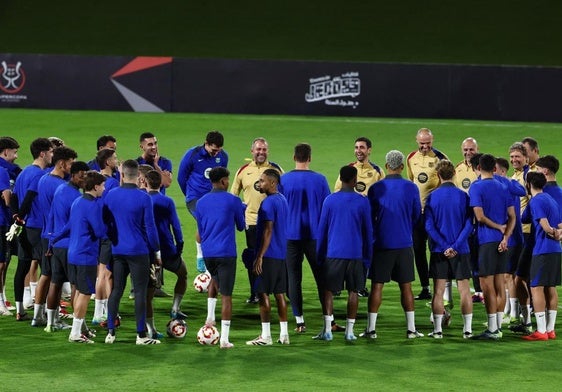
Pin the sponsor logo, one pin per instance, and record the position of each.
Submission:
(257, 185)
(360, 187)
(12, 81)
(466, 183)
(422, 178)
(334, 90)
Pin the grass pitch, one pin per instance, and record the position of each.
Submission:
(33, 359)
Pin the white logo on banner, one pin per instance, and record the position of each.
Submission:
(331, 90)
(12, 80)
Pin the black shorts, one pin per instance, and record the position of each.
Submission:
(5, 246)
(172, 264)
(45, 260)
(336, 272)
(105, 256)
(71, 272)
(524, 264)
(86, 278)
(392, 264)
(273, 279)
(545, 270)
(223, 271)
(490, 260)
(59, 266)
(441, 267)
(513, 254)
(34, 238)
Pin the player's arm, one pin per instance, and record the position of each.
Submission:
(266, 240)
(184, 171)
(165, 172)
(484, 220)
(337, 186)
(239, 217)
(236, 187)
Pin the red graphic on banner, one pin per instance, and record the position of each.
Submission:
(142, 63)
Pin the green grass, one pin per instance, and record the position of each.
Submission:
(33, 359)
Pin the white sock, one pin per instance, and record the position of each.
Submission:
(492, 322)
(51, 316)
(32, 287)
(38, 311)
(328, 323)
(372, 322)
(199, 251)
(541, 321)
(513, 308)
(176, 302)
(551, 320)
(19, 307)
(410, 321)
(98, 309)
(284, 328)
(467, 322)
(266, 330)
(211, 305)
(300, 319)
(349, 326)
(437, 322)
(76, 327)
(27, 298)
(499, 320)
(225, 330)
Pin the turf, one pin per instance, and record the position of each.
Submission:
(33, 359)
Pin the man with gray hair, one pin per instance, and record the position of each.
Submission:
(395, 210)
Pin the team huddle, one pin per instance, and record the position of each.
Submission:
(95, 223)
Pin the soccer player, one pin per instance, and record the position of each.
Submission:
(219, 214)
(246, 180)
(448, 221)
(170, 237)
(367, 172)
(270, 265)
(193, 175)
(395, 210)
(421, 170)
(344, 247)
(464, 173)
(515, 243)
(129, 214)
(549, 165)
(24, 209)
(104, 142)
(519, 160)
(532, 148)
(59, 234)
(88, 228)
(546, 217)
(305, 192)
(151, 156)
(8, 173)
(495, 215)
(62, 160)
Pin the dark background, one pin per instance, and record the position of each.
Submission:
(516, 32)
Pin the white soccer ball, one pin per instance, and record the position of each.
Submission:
(176, 328)
(208, 335)
(201, 282)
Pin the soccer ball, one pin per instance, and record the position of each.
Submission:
(208, 335)
(176, 328)
(201, 282)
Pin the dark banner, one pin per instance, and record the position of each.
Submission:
(165, 84)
